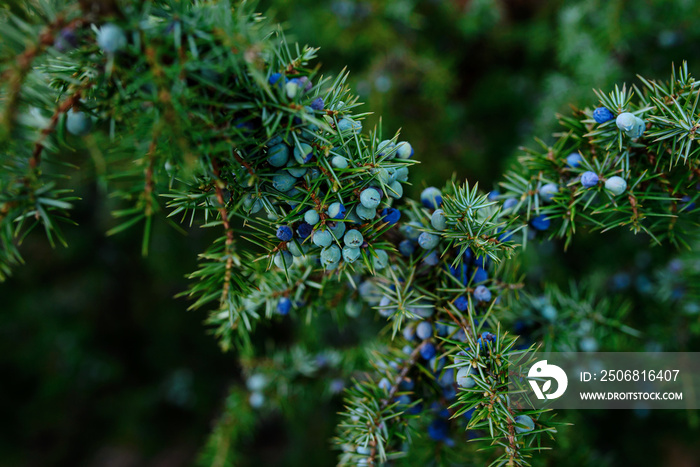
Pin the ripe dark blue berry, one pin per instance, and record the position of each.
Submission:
(284, 306)
(485, 338)
(540, 222)
(274, 77)
(589, 179)
(304, 230)
(439, 430)
(602, 115)
(66, 40)
(391, 215)
(482, 294)
(285, 233)
(406, 247)
(317, 103)
(480, 275)
(428, 351)
(462, 303)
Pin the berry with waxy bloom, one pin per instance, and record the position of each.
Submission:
(111, 38)
(404, 150)
(523, 424)
(438, 220)
(616, 185)
(370, 198)
(482, 294)
(548, 191)
(424, 330)
(284, 260)
(78, 123)
(574, 160)
(428, 241)
(625, 121)
(278, 155)
(351, 254)
(589, 179)
(464, 378)
(353, 238)
(311, 217)
(322, 238)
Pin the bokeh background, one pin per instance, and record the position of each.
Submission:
(101, 366)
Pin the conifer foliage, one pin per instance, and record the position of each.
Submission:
(203, 115)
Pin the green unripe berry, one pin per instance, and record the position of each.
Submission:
(395, 190)
(464, 378)
(284, 260)
(365, 213)
(330, 255)
(278, 155)
(625, 121)
(370, 198)
(311, 217)
(294, 248)
(322, 238)
(303, 153)
(523, 424)
(339, 162)
(353, 238)
(404, 150)
(283, 182)
(111, 38)
(381, 260)
(616, 185)
(438, 220)
(338, 230)
(351, 254)
(78, 123)
(402, 174)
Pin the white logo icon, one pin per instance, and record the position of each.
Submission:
(542, 370)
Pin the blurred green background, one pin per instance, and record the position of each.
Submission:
(102, 366)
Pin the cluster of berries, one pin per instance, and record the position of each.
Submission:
(338, 227)
(111, 39)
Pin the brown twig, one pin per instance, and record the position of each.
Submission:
(24, 62)
(227, 227)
